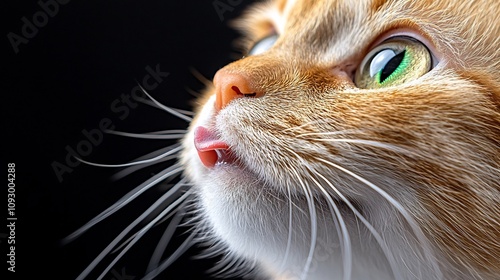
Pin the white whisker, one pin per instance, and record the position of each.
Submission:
(170, 152)
(165, 239)
(223, 267)
(122, 234)
(377, 144)
(166, 108)
(128, 170)
(124, 243)
(412, 223)
(185, 112)
(142, 232)
(344, 234)
(204, 80)
(130, 196)
(153, 104)
(185, 207)
(169, 131)
(316, 123)
(146, 135)
(186, 244)
(369, 226)
(237, 270)
(193, 92)
(289, 239)
(314, 226)
(328, 133)
(210, 253)
(131, 169)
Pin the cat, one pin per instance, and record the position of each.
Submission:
(354, 140)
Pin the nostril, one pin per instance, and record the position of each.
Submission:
(231, 85)
(237, 90)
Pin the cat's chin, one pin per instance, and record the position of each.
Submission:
(253, 222)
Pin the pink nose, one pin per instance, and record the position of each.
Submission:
(231, 85)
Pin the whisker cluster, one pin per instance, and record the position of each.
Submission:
(177, 199)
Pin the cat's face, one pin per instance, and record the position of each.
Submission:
(372, 126)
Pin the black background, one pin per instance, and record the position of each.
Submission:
(62, 81)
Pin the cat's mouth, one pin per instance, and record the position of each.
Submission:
(211, 150)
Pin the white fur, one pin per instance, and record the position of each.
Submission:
(248, 212)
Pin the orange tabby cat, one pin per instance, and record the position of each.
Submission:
(356, 140)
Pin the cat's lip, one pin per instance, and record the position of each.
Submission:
(211, 149)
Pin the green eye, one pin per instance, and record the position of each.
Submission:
(395, 61)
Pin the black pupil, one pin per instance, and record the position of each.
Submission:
(391, 66)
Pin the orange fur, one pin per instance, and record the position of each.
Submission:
(448, 121)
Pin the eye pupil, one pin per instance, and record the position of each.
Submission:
(391, 66)
(393, 62)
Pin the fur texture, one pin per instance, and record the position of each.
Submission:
(336, 182)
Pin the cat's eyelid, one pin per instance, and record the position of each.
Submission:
(410, 33)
